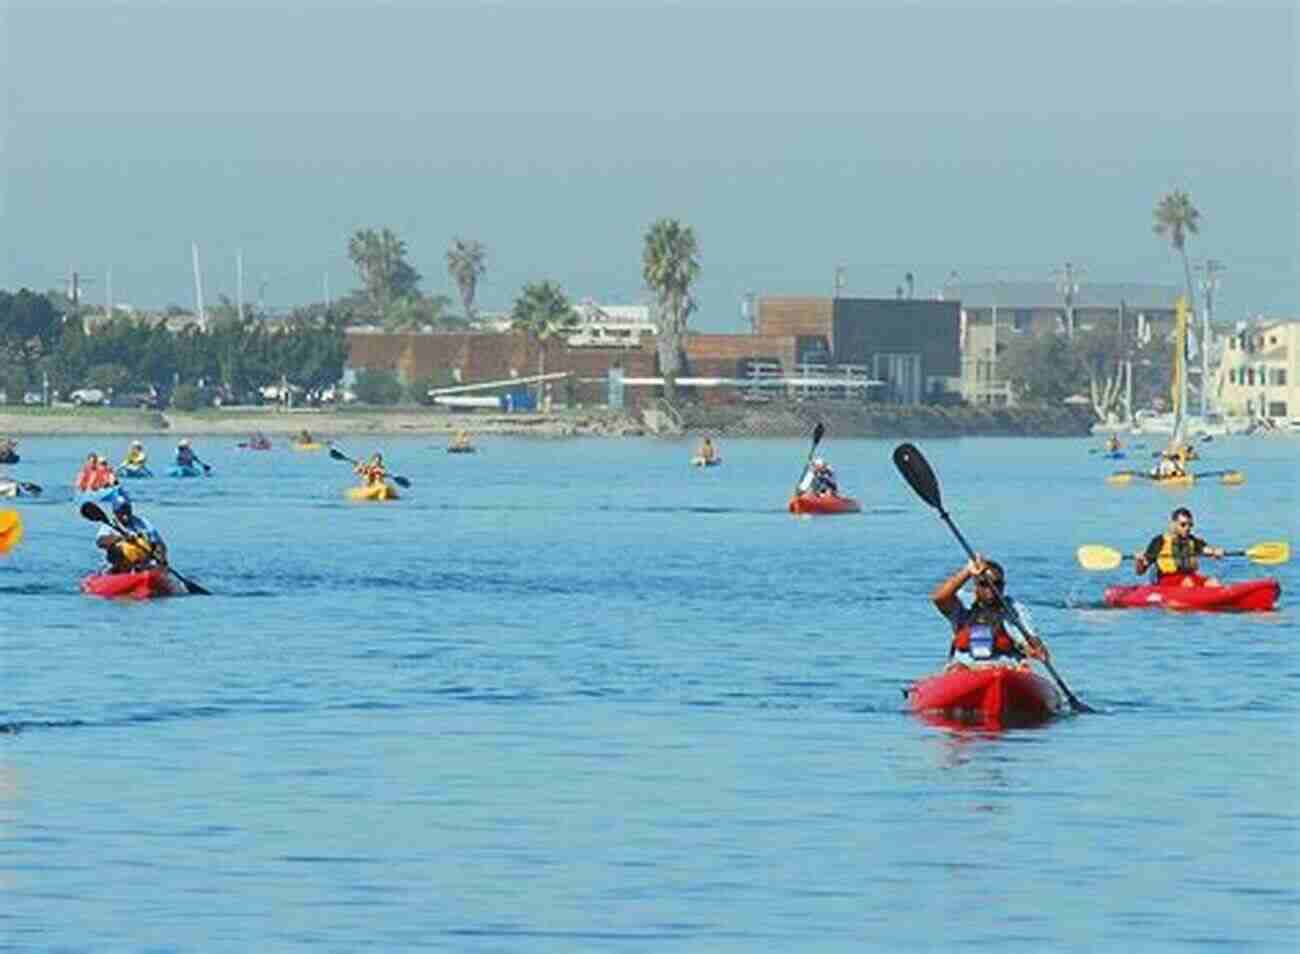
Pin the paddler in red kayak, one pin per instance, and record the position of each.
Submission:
(133, 545)
(1175, 553)
(820, 479)
(980, 634)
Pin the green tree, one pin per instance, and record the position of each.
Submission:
(467, 263)
(1176, 219)
(670, 265)
(380, 261)
(30, 326)
(1042, 368)
(414, 313)
(377, 387)
(542, 311)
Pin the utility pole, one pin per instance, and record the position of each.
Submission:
(1067, 285)
(1209, 284)
(239, 284)
(839, 281)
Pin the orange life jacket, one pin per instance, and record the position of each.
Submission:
(993, 642)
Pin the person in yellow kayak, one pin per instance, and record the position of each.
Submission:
(707, 452)
(136, 456)
(1113, 445)
(1175, 554)
(460, 440)
(304, 437)
(980, 633)
(1170, 465)
(133, 545)
(372, 471)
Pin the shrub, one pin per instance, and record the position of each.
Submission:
(186, 397)
(378, 387)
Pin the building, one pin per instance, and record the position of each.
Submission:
(606, 326)
(1260, 373)
(911, 345)
(993, 314)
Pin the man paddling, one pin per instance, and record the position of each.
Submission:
(185, 453)
(136, 546)
(980, 635)
(1175, 554)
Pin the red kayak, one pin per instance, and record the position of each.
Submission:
(809, 502)
(143, 585)
(988, 696)
(1251, 596)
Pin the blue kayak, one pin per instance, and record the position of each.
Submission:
(105, 495)
(1115, 455)
(134, 473)
(184, 470)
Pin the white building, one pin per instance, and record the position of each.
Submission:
(1260, 374)
(611, 326)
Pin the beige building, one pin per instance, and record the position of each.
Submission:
(1260, 374)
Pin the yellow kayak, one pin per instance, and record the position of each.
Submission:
(313, 446)
(373, 492)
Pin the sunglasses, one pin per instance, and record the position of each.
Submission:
(1185, 523)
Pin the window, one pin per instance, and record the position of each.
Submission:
(1279, 377)
(1232, 376)
(1021, 319)
(1277, 408)
(1250, 377)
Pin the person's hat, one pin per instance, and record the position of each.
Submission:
(184, 442)
(136, 444)
(818, 462)
(121, 505)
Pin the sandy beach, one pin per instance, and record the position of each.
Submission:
(323, 424)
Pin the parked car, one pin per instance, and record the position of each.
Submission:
(33, 397)
(87, 396)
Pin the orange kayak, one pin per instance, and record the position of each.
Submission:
(809, 502)
(143, 585)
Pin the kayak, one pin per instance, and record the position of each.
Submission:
(10, 458)
(14, 488)
(809, 502)
(1252, 595)
(1114, 455)
(141, 585)
(373, 492)
(104, 495)
(134, 473)
(184, 470)
(988, 695)
(462, 450)
(705, 461)
(306, 446)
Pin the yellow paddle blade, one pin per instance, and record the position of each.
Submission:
(1119, 480)
(1270, 554)
(1095, 557)
(1236, 477)
(11, 530)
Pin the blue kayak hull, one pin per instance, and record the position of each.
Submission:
(183, 470)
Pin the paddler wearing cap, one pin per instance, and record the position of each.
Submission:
(132, 543)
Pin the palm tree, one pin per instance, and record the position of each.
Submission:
(910, 279)
(670, 264)
(542, 311)
(380, 260)
(466, 265)
(1175, 219)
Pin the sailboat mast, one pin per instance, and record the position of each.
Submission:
(198, 286)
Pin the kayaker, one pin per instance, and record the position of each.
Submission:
(259, 441)
(184, 453)
(133, 545)
(460, 440)
(136, 456)
(1168, 466)
(707, 451)
(823, 478)
(85, 479)
(372, 471)
(104, 475)
(304, 437)
(980, 634)
(1175, 554)
(1112, 444)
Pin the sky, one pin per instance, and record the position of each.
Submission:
(884, 138)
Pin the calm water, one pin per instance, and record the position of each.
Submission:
(578, 696)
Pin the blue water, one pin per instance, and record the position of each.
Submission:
(579, 696)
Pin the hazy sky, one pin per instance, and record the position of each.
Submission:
(886, 137)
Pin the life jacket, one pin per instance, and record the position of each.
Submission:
(103, 477)
(135, 458)
(1177, 555)
(983, 636)
(86, 478)
(184, 457)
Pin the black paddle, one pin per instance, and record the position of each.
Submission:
(339, 455)
(916, 471)
(92, 511)
(206, 469)
(818, 432)
(29, 488)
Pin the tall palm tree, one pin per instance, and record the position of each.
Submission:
(467, 263)
(670, 264)
(380, 260)
(542, 311)
(1175, 219)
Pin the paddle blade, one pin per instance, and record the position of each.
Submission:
(1233, 478)
(339, 455)
(30, 488)
(818, 433)
(401, 481)
(1269, 554)
(911, 463)
(1120, 480)
(92, 511)
(11, 530)
(1095, 557)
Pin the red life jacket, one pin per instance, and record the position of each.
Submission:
(1003, 644)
